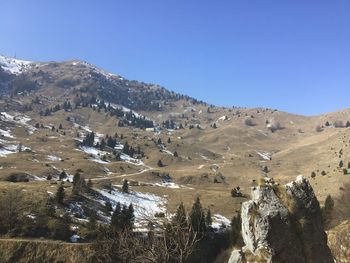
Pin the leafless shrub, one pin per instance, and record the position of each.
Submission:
(164, 242)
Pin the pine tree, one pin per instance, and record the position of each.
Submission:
(60, 194)
(341, 164)
(108, 207)
(208, 219)
(63, 175)
(169, 140)
(102, 144)
(125, 188)
(197, 217)
(176, 154)
(235, 232)
(92, 224)
(130, 217)
(115, 220)
(89, 185)
(78, 184)
(327, 210)
(160, 163)
(180, 218)
(60, 127)
(50, 207)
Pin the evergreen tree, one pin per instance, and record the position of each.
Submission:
(341, 164)
(197, 217)
(327, 210)
(125, 188)
(60, 127)
(208, 219)
(60, 194)
(176, 154)
(115, 220)
(50, 209)
(169, 140)
(235, 231)
(102, 144)
(180, 218)
(130, 217)
(108, 207)
(126, 148)
(63, 175)
(89, 185)
(62, 228)
(160, 163)
(92, 224)
(78, 184)
(89, 139)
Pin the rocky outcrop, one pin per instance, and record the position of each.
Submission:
(282, 224)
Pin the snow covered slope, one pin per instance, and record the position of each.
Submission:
(14, 66)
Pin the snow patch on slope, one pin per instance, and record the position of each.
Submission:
(14, 66)
(144, 203)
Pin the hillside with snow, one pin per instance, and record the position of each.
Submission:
(14, 66)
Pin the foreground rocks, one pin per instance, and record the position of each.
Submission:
(282, 224)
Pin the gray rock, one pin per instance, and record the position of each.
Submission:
(283, 224)
(236, 256)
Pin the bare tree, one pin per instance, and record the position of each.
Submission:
(164, 242)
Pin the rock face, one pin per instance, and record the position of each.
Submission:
(283, 224)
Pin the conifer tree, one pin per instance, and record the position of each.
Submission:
(78, 184)
(125, 188)
(235, 231)
(180, 218)
(89, 184)
(130, 217)
(108, 207)
(62, 175)
(92, 224)
(115, 220)
(208, 219)
(341, 164)
(60, 194)
(197, 217)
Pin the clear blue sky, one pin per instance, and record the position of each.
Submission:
(293, 55)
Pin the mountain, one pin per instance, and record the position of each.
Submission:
(170, 147)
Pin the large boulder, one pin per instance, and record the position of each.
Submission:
(283, 224)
